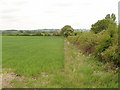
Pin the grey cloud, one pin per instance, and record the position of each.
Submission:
(11, 6)
(20, 2)
(49, 12)
(9, 18)
(13, 2)
(73, 4)
(69, 16)
(12, 10)
(6, 17)
(63, 4)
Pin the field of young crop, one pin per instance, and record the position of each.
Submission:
(29, 56)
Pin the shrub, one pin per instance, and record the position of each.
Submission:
(73, 39)
(87, 41)
(111, 54)
(103, 42)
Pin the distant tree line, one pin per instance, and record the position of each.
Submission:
(66, 31)
(29, 33)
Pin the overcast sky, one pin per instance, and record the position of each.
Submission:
(35, 14)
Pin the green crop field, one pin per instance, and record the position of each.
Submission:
(30, 56)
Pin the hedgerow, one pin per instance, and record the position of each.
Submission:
(103, 45)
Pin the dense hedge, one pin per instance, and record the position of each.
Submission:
(103, 45)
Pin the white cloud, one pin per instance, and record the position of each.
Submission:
(34, 14)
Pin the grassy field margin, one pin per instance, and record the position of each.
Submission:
(85, 71)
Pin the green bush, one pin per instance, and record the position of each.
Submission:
(103, 45)
(103, 42)
(87, 41)
(73, 39)
(111, 54)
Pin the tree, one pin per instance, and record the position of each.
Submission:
(37, 33)
(111, 17)
(103, 24)
(21, 31)
(67, 31)
(107, 16)
(100, 25)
